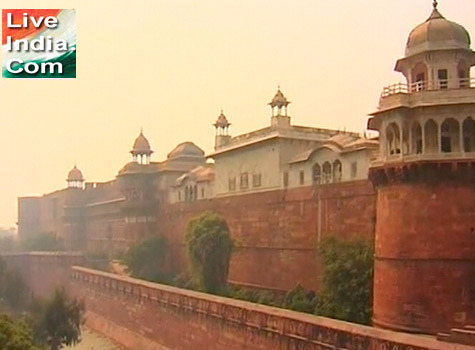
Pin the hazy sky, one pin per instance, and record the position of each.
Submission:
(169, 66)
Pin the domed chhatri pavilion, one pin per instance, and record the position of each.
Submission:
(75, 178)
(141, 150)
(424, 175)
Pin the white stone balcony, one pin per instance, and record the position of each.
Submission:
(426, 157)
(427, 93)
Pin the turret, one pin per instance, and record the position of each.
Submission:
(141, 150)
(75, 178)
(222, 136)
(279, 105)
(425, 181)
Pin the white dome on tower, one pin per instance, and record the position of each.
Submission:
(437, 33)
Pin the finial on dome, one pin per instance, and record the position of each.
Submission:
(435, 12)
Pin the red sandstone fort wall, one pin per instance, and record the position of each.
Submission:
(425, 249)
(148, 316)
(276, 232)
(43, 272)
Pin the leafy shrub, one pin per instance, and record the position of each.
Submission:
(14, 293)
(298, 299)
(15, 335)
(254, 296)
(45, 242)
(147, 260)
(347, 279)
(209, 248)
(57, 322)
(98, 261)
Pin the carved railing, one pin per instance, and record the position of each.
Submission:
(428, 85)
(398, 158)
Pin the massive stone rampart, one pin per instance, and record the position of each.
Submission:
(43, 272)
(148, 316)
(276, 232)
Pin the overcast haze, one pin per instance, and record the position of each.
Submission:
(169, 66)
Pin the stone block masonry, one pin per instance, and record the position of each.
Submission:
(276, 232)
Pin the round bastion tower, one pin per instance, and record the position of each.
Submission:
(424, 279)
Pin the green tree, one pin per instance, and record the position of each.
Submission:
(147, 260)
(14, 293)
(298, 299)
(209, 248)
(43, 242)
(15, 335)
(59, 320)
(254, 296)
(347, 283)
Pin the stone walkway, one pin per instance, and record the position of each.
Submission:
(95, 341)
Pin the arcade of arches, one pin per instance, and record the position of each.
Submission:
(450, 135)
(327, 173)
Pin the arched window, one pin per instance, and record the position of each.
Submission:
(416, 138)
(431, 136)
(337, 171)
(450, 136)
(317, 174)
(327, 172)
(468, 127)
(393, 137)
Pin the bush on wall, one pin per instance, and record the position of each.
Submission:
(298, 299)
(43, 242)
(209, 247)
(147, 260)
(347, 283)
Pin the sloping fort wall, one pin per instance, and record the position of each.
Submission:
(276, 232)
(149, 316)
